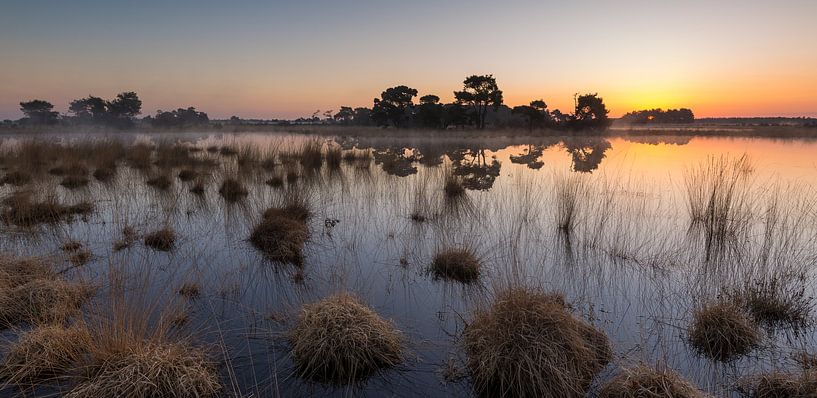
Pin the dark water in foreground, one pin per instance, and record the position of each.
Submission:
(632, 266)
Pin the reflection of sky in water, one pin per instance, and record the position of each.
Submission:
(630, 266)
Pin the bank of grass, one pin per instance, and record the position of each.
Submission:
(340, 340)
(527, 344)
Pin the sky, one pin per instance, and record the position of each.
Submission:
(271, 59)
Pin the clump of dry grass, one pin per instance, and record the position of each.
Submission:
(190, 290)
(134, 368)
(453, 187)
(104, 174)
(212, 149)
(228, 151)
(71, 246)
(310, 154)
(74, 181)
(198, 188)
(527, 344)
(774, 302)
(162, 240)
(80, 257)
(645, 381)
(275, 181)
(187, 175)
(44, 352)
(722, 331)
(777, 384)
(460, 265)
(161, 182)
(42, 301)
(16, 178)
(334, 156)
(340, 340)
(129, 237)
(23, 210)
(232, 190)
(140, 156)
(281, 235)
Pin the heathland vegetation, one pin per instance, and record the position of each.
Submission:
(309, 266)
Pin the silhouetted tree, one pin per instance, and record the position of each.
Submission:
(363, 116)
(430, 113)
(658, 115)
(393, 105)
(180, 118)
(89, 109)
(479, 92)
(587, 153)
(455, 115)
(536, 113)
(345, 115)
(125, 105)
(590, 112)
(39, 111)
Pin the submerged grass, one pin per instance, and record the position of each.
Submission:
(723, 332)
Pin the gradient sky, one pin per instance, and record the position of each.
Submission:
(270, 59)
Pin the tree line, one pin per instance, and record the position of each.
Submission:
(659, 115)
(478, 104)
(119, 112)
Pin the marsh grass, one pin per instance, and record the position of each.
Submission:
(162, 240)
(779, 384)
(23, 209)
(723, 332)
(568, 194)
(161, 182)
(43, 353)
(232, 190)
(646, 381)
(776, 301)
(527, 344)
(340, 340)
(458, 264)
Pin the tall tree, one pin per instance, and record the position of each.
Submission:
(591, 112)
(536, 113)
(393, 105)
(39, 111)
(480, 92)
(345, 115)
(430, 112)
(126, 105)
(90, 108)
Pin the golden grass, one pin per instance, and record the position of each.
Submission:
(780, 385)
(280, 235)
(644, 381)
(340, 340)
(722, 331)
(144, 368)
(527, 344)
(44, 352)
(456, 264)
(42, 301)
(162, 240)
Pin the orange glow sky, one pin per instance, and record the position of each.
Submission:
(280, 60)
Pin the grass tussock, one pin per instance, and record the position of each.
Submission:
(569, 190)
(527, 344)
(275, 181)
(460, 265)
(160, 182)
(129, 237)
(778, 384)
(187, 175)
(44, 352)
(774, 302)
(453, 187)
(723, 332)
(644, 381)
(16, 178)
(104, 174)
(74, 181)
(147, 369)
(190, 290)
(198, 188)
(162, 240)
(31, 292)
(281, 234)
(340, 340)
(310, 154)
(23, 210)
(232, 190)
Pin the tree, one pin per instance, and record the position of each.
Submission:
(345, 115)
(536, 113)
(39, 111)
(362, 116)
(479, 92)
(430, 113)
(392, 106)
(180, 118)
(591, 112)
(90, 108)
(126, 105)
